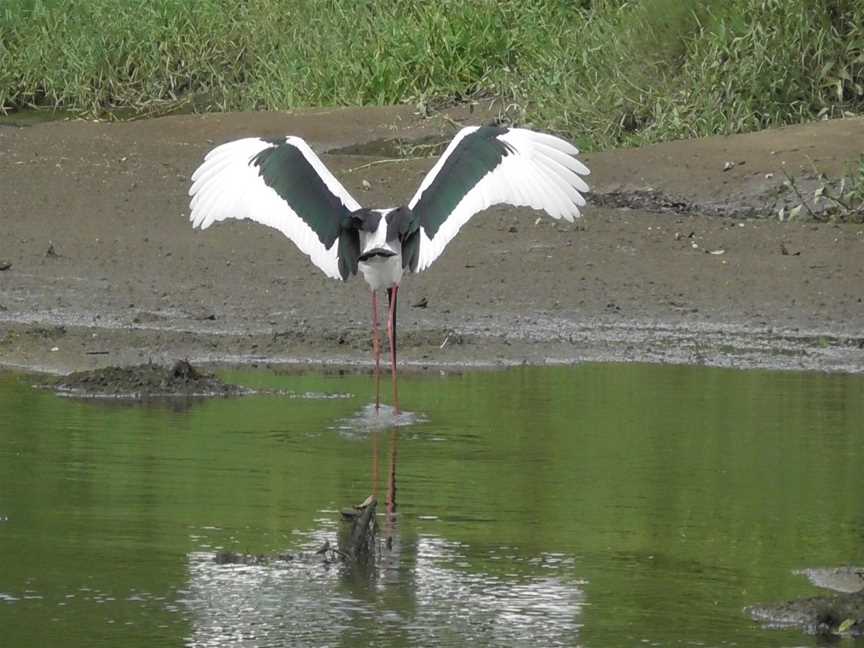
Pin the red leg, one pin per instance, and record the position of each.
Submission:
(376, 350)
(391, 333)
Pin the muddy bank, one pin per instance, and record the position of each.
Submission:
(681, 259)
(841, 614)
(144, 381)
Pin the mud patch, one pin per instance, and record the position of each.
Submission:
(775, 199)
(145, 381)
(842, 614)
(645, 200)
(840, 579)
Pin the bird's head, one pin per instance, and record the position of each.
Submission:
(376, 235)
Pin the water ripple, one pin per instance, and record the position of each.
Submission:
(368, 420)
(306, 603)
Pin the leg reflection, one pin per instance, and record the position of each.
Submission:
(376, 473)
(391, 487)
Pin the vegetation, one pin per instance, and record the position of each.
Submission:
(834, 199)
(607, 72)
(840, 199)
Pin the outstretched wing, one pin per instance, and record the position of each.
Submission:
(283, 184)
(485, 166)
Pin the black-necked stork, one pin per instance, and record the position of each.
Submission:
(282, 183)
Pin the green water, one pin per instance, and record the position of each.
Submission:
(595, 505)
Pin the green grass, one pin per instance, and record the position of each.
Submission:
(606, 72)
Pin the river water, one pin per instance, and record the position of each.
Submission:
(598, 505)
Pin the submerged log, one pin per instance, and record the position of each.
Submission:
(358, 543)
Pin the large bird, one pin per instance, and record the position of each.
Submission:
(282, 183)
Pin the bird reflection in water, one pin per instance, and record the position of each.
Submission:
(403, 583)
(360, 542)
(391, 485)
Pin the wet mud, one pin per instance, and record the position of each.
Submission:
(144, 381)
(680, 257)
(840, 614)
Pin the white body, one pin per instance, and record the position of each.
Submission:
(382, 272)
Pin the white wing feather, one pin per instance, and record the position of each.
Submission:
(227, 186)
(541, 173)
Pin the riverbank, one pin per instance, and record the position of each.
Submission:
(681, 257)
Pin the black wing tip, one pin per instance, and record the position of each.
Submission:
(411, 251)
(348, 252)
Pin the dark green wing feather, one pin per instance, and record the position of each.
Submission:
(283, 184)
(471, 159)
(486, 166)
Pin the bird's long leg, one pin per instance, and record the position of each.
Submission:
(376, 350)
(391, 333)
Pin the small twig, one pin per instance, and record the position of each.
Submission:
(792, 184)
(377, 162)
(160, 108)
(419, 147)
(837, 200)
(450, 120)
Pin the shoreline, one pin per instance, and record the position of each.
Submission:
(685, 264)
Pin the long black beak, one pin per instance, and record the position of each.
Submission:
(376, 252)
